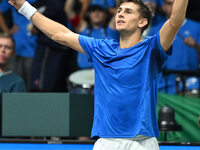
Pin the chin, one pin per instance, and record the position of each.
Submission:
(120, 30)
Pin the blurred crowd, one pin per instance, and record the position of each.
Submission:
(30, 61)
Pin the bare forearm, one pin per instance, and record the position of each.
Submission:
(178, 12)
(56, 31)
(49, 27)
(170, 28)
(52, 29)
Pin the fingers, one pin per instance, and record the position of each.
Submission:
(12, 2)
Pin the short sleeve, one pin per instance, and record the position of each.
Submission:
(161, 53)
(4, 6)
(88, 44)
(158, 55)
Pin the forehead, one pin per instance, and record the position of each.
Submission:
(129, 5)
(4, 40)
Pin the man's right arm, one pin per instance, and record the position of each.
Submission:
(57, 32)
(52, 29)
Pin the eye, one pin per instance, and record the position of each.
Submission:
(129, 11)
(9, 47)
(118, 11)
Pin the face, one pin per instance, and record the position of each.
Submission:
(167, 7)
(6, 50)
(128, 18)
(97, 17)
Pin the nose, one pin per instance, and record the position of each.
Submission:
(121, 14)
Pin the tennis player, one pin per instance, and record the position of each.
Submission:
(126, 72)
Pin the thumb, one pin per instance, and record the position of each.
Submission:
(13, 3)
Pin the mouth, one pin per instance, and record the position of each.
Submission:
(2, 57)
(120, 21)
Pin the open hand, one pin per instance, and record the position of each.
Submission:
(16, 3)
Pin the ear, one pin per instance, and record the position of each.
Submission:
(142, 22)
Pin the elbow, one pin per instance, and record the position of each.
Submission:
(56, 37)
(177, 23)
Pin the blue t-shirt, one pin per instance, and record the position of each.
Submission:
(25, 43)
(125, 86)
(100, 33)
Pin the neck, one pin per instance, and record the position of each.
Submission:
(129, 40)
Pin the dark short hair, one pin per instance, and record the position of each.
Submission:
(144, 10)
(7, 36)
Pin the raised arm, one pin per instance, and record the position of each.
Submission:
(85, 5)
(52, 29)
(170, 28)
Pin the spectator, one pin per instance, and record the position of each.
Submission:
(157, 14)
(52, 62)
(25, 43)
(186, 45)
(96, 26)
(9, 81)
(106, 4)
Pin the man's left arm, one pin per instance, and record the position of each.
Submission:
(170, 28)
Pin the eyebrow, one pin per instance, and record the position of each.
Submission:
(129, 9)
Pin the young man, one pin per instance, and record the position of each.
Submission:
(126, 72)
(9, 81)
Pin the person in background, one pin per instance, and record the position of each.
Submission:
(109, 5)
(157, 14)
(9, 81)
(52, 62)
(95, 25)
(25, 43)
(186, 45)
